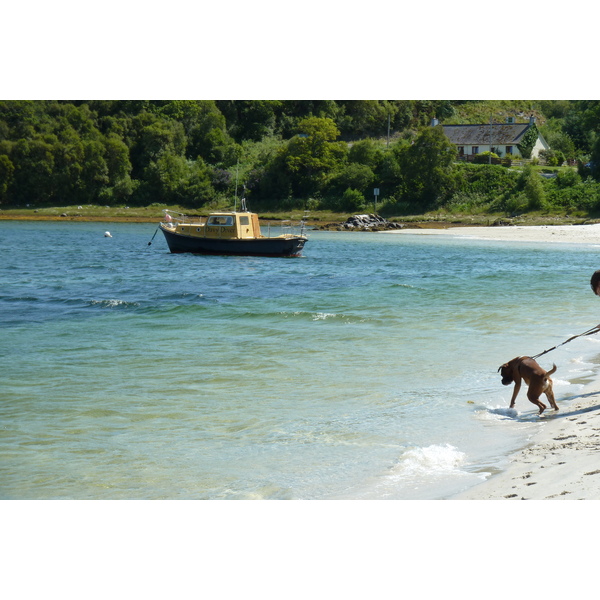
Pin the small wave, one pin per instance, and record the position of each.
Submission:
(578, 360)
(322, 316)
(435, 459)
(404, 285)
(319, 316)
(20, 299)
(564, 383)
(503, 411)
(114, 304)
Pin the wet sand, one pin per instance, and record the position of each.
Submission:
(561, 463)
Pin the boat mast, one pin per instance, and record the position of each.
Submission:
(237, 172)
(244, 209)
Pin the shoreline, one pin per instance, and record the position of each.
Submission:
(569, 234)
(91, 219)
(469, 227)
(561, 460)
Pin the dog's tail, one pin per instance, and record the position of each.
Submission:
(548, 373)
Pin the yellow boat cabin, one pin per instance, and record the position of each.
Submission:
(231, 226)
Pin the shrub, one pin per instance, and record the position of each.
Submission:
(354, 176)
(484, 158)
(567, 178)
(466, 202)
(488, 180)
(534, 190)
(516, 204)
(352, 201)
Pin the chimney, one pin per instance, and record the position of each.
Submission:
(531, 120)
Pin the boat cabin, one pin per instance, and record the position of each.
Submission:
(230, 225)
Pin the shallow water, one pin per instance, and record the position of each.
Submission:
(365, 369)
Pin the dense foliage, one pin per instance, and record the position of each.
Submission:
(287, 154)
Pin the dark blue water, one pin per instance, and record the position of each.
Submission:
(365, 369)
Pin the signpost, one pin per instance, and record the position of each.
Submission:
(376, 193)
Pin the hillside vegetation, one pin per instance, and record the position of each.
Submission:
(288, 155)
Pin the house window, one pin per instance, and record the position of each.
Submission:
(461, 150)
(475, 150)
(509, 150)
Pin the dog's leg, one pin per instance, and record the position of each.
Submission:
(515, 392)
(550, 395)
(536, 400)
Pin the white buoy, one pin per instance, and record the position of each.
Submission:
(107, 234)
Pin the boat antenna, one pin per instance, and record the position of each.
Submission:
(237, 172)
(244, 209)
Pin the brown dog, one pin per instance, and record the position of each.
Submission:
(538, 380)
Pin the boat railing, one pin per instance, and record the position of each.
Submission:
(287, 227)
(175, 218)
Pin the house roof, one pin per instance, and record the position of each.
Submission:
(501, 133)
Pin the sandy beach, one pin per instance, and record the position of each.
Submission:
(569, 234)
(562, 462)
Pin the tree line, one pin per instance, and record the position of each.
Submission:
(286, 154)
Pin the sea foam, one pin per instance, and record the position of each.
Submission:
(434, 459)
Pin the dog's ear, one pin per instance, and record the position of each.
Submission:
(502, 367)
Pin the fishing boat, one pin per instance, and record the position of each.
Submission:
(235, 232)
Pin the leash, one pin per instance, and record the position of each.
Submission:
(588, 332)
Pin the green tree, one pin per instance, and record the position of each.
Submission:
(352, 201)
(389, 172)
(69, 160)
(155, 135)
(557, 139)
(34, 164)
(7, 170)
(366, 152)
(313, 155)
(95, 173)
(595, 159)
(365, 117)
(173, 179)
(567, 178)
(206, 130)
(427, 169)
(533, 188)
(256, 119)
(354, 176)
(119, 168)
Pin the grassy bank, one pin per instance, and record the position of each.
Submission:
(154, 214)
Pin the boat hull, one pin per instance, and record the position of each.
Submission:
(267, 246)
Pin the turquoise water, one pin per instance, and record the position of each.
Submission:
(365, 369)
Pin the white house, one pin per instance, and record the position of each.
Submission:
(500, 138)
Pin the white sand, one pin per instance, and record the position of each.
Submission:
(563, 460)
(570, 234)
(561, 463)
